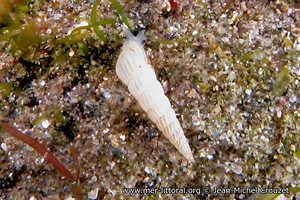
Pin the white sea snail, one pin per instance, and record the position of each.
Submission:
(135, 71)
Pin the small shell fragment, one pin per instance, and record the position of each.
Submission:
(136, 72)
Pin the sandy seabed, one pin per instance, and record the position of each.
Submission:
(232, 77)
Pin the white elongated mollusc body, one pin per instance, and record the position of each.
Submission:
(135, 71)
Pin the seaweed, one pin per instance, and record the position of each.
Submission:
(53, 113)
(19, 29)
(76, 35)
(205, 7)
(6, 88)
(120, 11)
(227, 6)
(41, 148)
(281, 81)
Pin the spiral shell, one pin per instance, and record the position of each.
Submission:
(135, 71)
